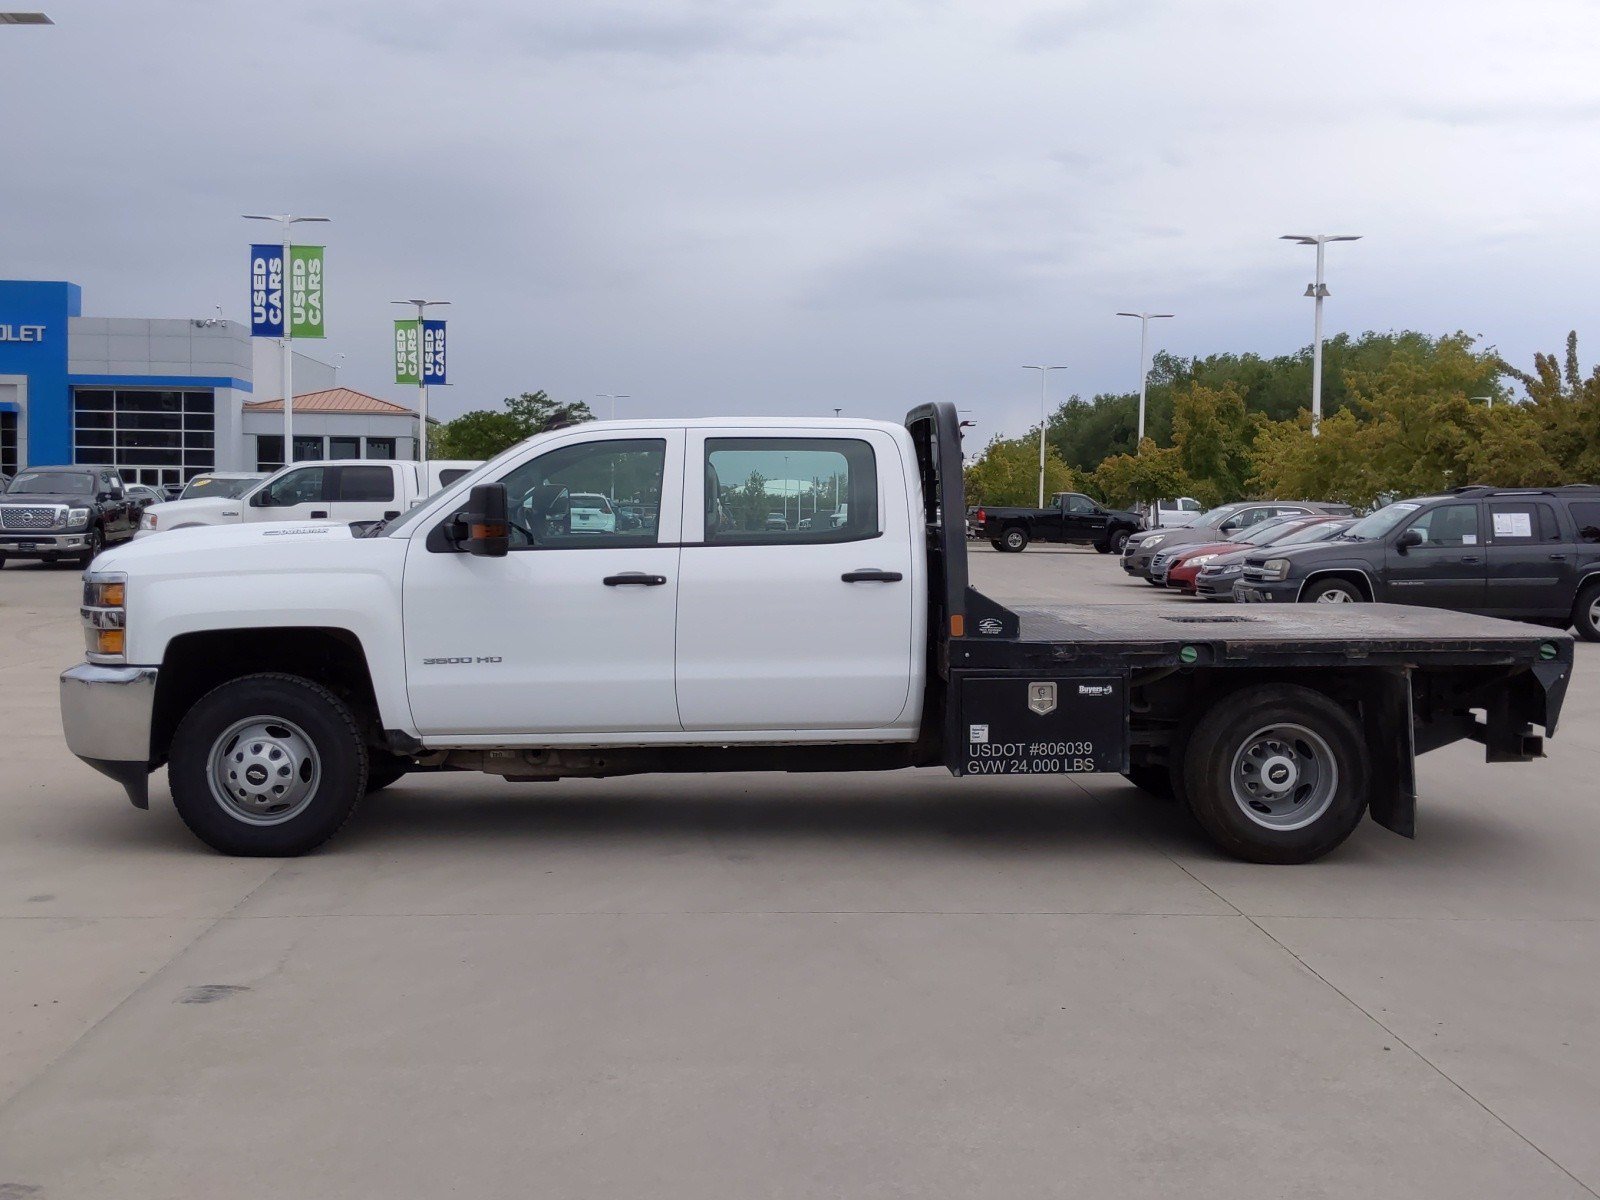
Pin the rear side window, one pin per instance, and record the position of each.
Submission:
(790, 490)
(367, 484)
(1586, 516)
(1522, 522)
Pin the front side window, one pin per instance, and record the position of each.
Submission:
(1448, 525)
(1080, 506)
(297, 487)
(587, 495)
(793, 490)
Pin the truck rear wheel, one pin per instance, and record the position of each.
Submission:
(267, 765)
(1014, 540)
(1276, 774)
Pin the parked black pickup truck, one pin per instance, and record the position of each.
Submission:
(65, 512)
(1071, 517)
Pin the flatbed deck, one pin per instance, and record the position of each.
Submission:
(1146, 636)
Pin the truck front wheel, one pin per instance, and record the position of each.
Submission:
(1277, 774)
(1014, 540)
(267, 765)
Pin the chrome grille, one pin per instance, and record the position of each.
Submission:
(15, 516)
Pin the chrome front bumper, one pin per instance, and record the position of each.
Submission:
(106, 713)
(30, 545)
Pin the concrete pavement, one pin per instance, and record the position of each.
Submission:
(735, 986)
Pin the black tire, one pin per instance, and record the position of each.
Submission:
(996, 544)
(332, 779)
(1323, 591)
(94, 543)
(1119, 539)
(1014, 540)
(384, 768)
(1101, 548)
(1313, 747)
(2, 562)
(1152, 779)
(1586, 612)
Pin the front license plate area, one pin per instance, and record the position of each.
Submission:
(1046, 725)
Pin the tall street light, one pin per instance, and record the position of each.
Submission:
(613, 397)
(1044, 375)
(287, 221)
(1144, 362)
(1319, 292)
(24, 18)
(422, 307)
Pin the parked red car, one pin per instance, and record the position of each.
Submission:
(1181, 574)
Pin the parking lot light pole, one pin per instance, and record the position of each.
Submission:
(613, 397)
(1044, 375)
(1318, 291)
(1144, 362)
(422, 307)
(286, 221)
(1488, 401)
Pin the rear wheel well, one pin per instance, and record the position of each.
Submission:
(1353, 577)
(197, 662)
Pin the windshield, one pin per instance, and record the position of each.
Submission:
(202, 486)
(67, 483)
(1319, 531)
(1380, 522)
(1264, 534)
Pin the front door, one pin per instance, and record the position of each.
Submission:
(1447, 570)
(1085, 520)
(571, 633)
(302, 494)
(810, 626)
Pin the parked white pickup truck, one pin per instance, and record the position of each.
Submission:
(281, 672)
(345, 489)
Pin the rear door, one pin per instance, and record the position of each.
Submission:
(797, 628)
(1448, 570)
(1530, 558)
(366, 493)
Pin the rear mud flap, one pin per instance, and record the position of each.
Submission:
(1386, 719)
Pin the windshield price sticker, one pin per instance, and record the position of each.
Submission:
(1061, 726)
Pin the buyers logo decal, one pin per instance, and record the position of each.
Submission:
(1094, 689)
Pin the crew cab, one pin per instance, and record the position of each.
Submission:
(282, 672)
(356, 489)
(1071, 517)
(54, 513)
(1532, 554)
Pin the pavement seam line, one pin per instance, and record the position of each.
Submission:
(1421, 1057)
(39, 1075)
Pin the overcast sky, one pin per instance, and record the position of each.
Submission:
(746, 207)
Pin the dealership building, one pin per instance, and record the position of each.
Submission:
(166, 399)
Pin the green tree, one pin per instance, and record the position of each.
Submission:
(1125, 480)
(1211, 433)
(484, 433)
(1007, 472)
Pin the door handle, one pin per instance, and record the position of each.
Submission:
(1471, 558)
(871, 575)
(1558, 558)
(634, 579)
(316, 513)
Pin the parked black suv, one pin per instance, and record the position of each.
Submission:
(1071, 517)
(1525, 553)
(65, 512)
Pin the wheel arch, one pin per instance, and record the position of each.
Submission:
(194, 663)
(1356, 575)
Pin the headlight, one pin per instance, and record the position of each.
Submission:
(1147, 543)
(1222, 572)
(1200, 560)
(104, 613)
(147, 521)
(1275, 569)
(77, 517)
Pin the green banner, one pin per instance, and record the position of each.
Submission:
(305, 292)
(407, 352)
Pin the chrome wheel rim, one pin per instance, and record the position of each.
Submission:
(1284, 777)
(1594, 612)
(264, 770)
(1336, 596)
(1013, 539)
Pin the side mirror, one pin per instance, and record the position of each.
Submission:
(261, 499)
(1230, 527)
(487, 531)
(1407, 539)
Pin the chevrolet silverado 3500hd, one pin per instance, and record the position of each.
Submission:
(280, 672)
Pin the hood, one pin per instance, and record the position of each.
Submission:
(234, 549)
(1213, 548)
(1182, 535)
(71, 501)
(1260, 554)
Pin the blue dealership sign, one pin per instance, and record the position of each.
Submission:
(266, 291)
(433, 370)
